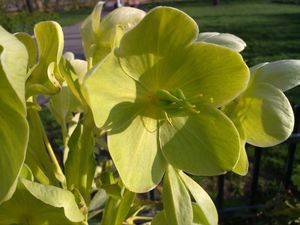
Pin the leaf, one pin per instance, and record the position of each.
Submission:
(46, 77)
(160, 219)
(205, 144)
(81, 159)
(24, 208)
(205, 212)
(98, 201)
(176, 199)
(13, 124)
(283, 74)
(117, 209)
(265, 115)
(138, 160)
(37, 157)
(227, 40)
(55, 197)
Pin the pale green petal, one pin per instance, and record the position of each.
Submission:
(46, 77)
(99, 38)
(205, 144)
(242, 164)
(29, 43)
(125, 18)
(206, 213)
(111, 94)
(227, 40)
(265, 115)
(283, 74)
(89, 28)
(13, 124)
(205, 35)
(208, 73)
(162, 32)
(136, 154)
(176, 199)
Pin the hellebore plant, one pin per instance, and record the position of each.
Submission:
(154, 101)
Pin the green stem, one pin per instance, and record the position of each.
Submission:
(58, 171)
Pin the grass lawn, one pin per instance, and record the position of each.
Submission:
(72, 17)
(271, 30)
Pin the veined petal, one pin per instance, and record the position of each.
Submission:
(227, 40)
(162, 32)
(111, 94)
(283, 74)
(209, 73)
(205, 144)
(136, 154)
(242, 164)
(265, 114)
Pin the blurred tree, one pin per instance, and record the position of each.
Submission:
(39, 5)
(216, 2)
(29, 5)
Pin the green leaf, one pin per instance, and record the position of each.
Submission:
(160, 219)
(37, 157)
(227, 40)
(176, 199)
(117, 209)
(265, 115)
(24, 208)
(46, 77)
(283, 74)
(136, 154)
(29, 43)
(56, 197)
(205, 143)
(205, 213)
(13, 124)
(81, 159)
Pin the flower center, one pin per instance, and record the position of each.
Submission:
(174, 100)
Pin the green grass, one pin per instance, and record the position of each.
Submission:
(72, 17)
(271, 31)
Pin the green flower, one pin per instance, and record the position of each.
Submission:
(157, 95)
(99, 37)
(263, 114)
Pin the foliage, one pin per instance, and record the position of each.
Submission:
(24, 21)
(163, 105)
